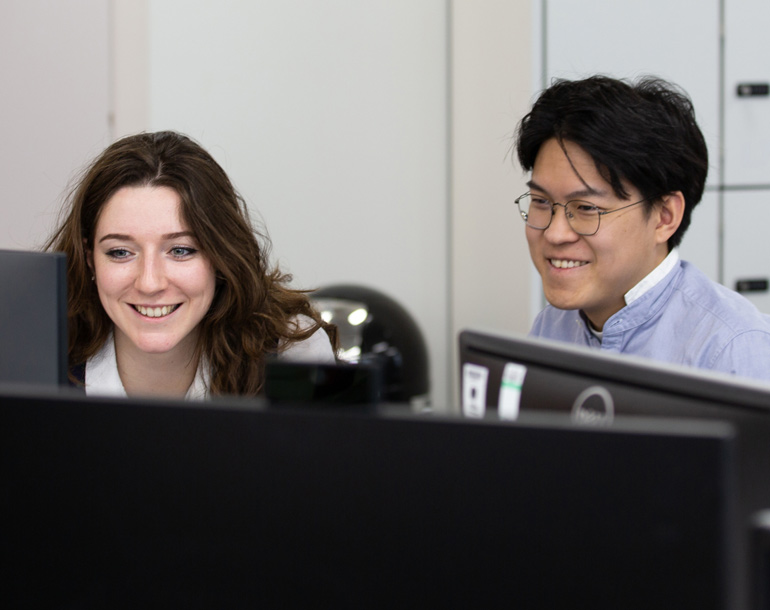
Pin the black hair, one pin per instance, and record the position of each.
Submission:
(644, 133)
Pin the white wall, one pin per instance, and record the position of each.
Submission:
(372, 137)
(331, 119)
(54, 107)
(334, 121)
(491, 90)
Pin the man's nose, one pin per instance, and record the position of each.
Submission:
(560, 230)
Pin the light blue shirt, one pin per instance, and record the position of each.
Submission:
(682, 317)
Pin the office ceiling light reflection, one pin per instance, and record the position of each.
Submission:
(350, 317)
(357, 316)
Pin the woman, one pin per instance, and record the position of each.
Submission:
(169, 288)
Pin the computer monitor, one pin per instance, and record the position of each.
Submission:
(760, 539)
(505, 375)
(128, 503)
(33, 317)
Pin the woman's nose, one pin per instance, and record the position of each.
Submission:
(151, 277)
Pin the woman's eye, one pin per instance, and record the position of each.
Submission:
(182, 251)
(118, 253)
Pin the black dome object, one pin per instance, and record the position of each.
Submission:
(375, 328)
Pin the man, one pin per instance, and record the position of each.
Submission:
(616, 170)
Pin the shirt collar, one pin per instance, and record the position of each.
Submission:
(654, 277)
(102, 377)
(199, 388)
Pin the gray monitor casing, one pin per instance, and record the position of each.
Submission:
(33, 318)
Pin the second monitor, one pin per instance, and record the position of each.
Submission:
(33, 317)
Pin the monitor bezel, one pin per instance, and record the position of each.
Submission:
(50, 269)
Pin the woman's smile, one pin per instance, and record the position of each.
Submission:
(155, 311)
(153, 281)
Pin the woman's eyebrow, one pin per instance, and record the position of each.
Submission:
(119, 236)
(167, 236)
(178, 235)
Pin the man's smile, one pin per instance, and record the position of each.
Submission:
(561, 263)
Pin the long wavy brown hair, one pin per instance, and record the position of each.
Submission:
(253, 314)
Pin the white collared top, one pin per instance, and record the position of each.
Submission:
(103, 379)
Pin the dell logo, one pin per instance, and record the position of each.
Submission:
(593, 405)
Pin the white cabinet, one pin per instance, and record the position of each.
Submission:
(718, 55)
(746, 178)
(702, 244)
(746, 237)
(747, 94)
(665, 38)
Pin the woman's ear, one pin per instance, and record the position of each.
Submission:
(89, 257)
(670, 212)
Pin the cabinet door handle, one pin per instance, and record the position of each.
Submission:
(753, 89)
(752, 285)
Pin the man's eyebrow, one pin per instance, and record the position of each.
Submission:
(579, 194)
(167, 236)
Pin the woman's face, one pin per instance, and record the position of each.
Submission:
(153, 282)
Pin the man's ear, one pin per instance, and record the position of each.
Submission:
(670, 211)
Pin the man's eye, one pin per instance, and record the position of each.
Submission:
(585, 208)
(540, 202)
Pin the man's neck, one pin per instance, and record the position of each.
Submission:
(660, 271)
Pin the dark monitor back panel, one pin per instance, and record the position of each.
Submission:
(111, 503)
(761, 554)
(555, 374)
(33, 318)
(560, 377)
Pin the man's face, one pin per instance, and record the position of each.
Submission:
(590, 273)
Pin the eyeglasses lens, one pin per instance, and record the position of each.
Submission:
(538, 213)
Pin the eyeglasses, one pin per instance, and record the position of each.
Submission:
(583, 217)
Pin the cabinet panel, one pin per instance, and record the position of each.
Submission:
(746, 242)
(700, 245)
(668, 39)
(747, 109)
